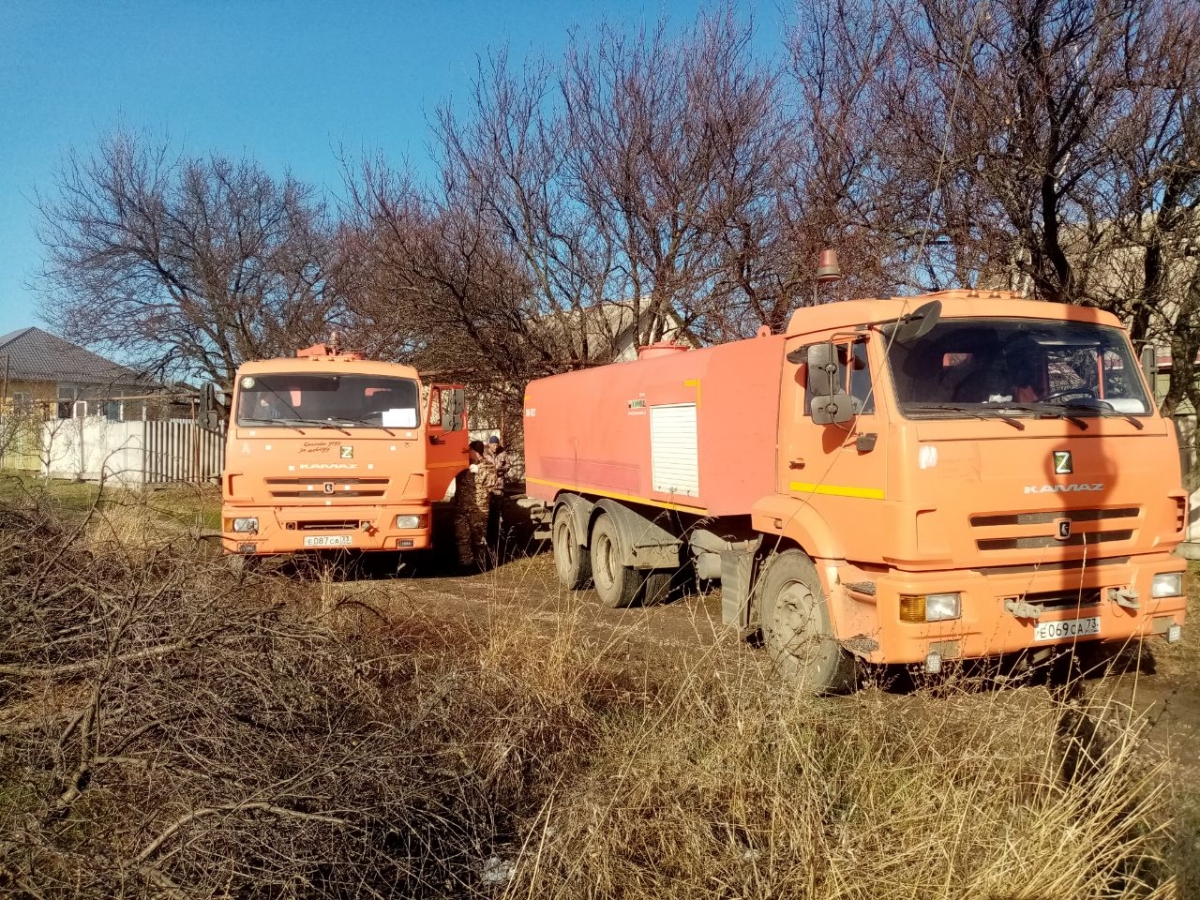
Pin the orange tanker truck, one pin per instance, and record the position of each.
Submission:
(328, 450)
(906, 480)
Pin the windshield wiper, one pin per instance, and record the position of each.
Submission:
(321, 423)
(973, 412)
(349, 420)
(941, 407)
(1049, 411)
(1107, 412)
(287, 423)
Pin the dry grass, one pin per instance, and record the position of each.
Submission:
(173, 730)
(734, 789)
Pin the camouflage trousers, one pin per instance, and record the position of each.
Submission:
(470, 534)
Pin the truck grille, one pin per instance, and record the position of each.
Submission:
(324, 525)
(993, 536)
(328, 488)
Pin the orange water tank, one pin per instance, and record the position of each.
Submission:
(662, 348)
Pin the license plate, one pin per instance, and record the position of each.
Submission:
(1068, 628)
(327, 540)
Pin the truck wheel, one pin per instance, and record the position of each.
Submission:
(240, 562)
(616, 583)
(571, 560)
(796, 627)
(658, 585)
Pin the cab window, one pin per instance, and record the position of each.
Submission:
(860, 378)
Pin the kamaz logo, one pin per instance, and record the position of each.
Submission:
(307, 466)
(1061, 488)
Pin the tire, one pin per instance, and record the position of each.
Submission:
(657, 586)
(796, 628)
(242, 563)
(571, 559)
(380, 564)
(616, 583)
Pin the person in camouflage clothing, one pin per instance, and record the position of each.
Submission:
(495, 454)
(472, 496)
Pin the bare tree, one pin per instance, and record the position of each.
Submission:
(1055, 144)
(506, 160)
(442, 291)
(671, 148)
(685, 180)
(839, 185)
(188, 266)
(1003, 121)
(1153, 188)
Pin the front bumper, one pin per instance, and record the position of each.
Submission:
(871, 626)
(303, 529)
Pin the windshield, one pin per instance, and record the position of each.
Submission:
(287, 399)
(981, 367)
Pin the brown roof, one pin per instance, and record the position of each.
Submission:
(36, 355)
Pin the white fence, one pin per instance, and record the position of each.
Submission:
(131, 453)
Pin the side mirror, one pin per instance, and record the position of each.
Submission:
(830, 403)
(822, 362)
(455, 403)
(1150, 364)
(832, 410)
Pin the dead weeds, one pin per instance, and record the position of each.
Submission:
(174, 729)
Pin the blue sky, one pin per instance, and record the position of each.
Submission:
(287, 83)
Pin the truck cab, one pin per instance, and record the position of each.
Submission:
(991, 479)
(331, 450)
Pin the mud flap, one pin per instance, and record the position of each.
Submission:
(737, 574)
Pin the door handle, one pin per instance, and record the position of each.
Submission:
(797, 463)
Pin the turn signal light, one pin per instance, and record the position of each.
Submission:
(930, 607)
(912, 607)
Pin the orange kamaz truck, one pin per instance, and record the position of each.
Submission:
(907, 480)
(330, 450)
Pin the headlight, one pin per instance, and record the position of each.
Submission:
(930, 607)
(247, 524)
(1167, 584)
(410, 521)
(939, 607)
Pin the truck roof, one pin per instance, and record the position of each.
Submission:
(332, 364)
(955, 304)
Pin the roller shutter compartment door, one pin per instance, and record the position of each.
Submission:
(674, 457)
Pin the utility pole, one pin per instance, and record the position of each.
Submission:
(3, 411)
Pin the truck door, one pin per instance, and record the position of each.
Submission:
(840, 469)
(446, 450)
